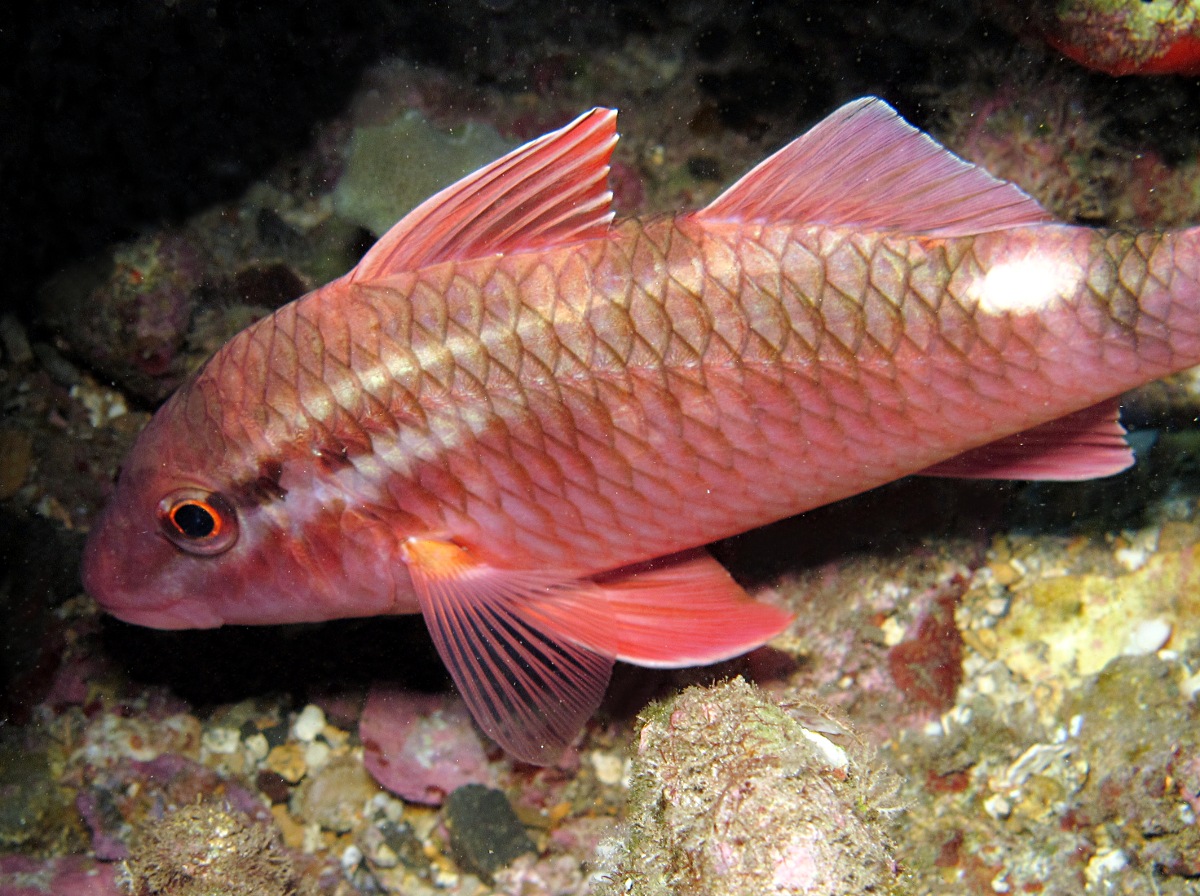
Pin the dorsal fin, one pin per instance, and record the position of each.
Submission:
(552, 190)
(864, 166)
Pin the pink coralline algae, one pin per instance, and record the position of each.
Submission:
(927, 665)
(421, 746)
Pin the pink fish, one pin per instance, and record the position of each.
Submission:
(525, 421)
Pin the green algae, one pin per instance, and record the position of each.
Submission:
(1143, 20)
(392, 168)
(36, 814)
(1074, 625)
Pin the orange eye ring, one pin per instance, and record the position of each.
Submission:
(198, 521)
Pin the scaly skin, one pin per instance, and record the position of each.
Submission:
(584, 408)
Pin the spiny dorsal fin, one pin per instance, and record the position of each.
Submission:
(864, 166)
(551, 191)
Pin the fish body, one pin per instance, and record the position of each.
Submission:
(525, 421)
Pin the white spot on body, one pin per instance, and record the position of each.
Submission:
(373, 381)
(1026, 285)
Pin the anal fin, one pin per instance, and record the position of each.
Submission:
(684, 610)
(671, 612)
(1088, 444)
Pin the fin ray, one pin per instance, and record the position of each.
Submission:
(528, 692)
(531, 651)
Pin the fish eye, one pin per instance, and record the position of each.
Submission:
(198, 521)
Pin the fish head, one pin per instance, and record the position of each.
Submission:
(197, 536)
(155, 552)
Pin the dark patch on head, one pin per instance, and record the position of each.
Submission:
(349, 438)
(263, 488)
(332, 456)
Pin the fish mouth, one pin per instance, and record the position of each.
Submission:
(176, 614)
(107, 573)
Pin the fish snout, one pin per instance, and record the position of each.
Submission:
(118, 572)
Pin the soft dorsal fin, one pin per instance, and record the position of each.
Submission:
(552, 190)
(864, 166)
(1085, 445)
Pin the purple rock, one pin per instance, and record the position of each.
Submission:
(128, 314)
(164, 783)
(60, 876)
(105, 823)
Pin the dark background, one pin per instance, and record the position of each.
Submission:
(122, 117)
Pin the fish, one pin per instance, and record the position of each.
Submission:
(526, 419)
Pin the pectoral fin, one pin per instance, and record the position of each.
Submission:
(531, 651)
(529, 691)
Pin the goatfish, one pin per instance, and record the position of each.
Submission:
(525, 420)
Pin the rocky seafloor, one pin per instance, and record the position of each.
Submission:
(989, 687)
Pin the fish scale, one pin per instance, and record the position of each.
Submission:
(656, 427)
(635, 326)
(525, 421)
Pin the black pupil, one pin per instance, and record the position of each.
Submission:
(194, 521)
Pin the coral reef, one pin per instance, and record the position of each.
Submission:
(1026, 658)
